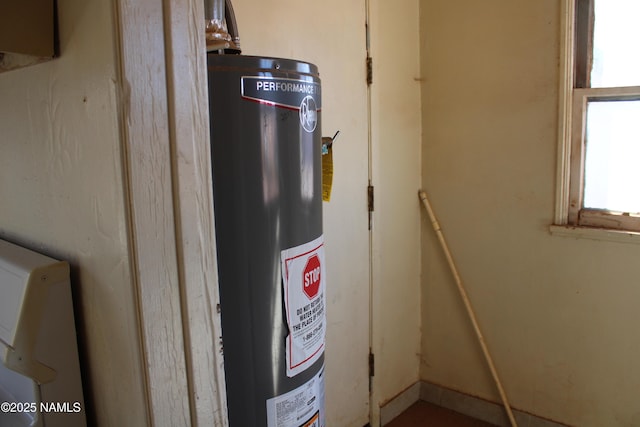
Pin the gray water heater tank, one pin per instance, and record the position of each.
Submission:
(266, 161)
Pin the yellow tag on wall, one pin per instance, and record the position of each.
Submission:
(327, 174)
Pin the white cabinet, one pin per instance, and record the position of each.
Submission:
(40, 381)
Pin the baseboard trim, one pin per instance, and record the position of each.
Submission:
(400, 403)
(463, 403)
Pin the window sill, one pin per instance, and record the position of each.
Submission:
(595, 233)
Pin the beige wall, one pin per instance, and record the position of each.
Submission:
(61, 188)
(559, 314)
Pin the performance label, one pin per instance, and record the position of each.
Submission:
(302, 407)
(303, 278)
(294, 94)
(281, 92)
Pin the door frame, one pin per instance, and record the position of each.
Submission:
(164, 128)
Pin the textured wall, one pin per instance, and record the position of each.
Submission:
(61, 188)
(558, 313)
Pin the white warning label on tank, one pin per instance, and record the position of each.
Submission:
(303, 278)
(301, 407)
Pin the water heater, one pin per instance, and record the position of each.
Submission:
(266, 168)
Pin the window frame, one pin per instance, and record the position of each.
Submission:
(572, 124)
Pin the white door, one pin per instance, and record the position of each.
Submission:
(331, 35)
(396, 177)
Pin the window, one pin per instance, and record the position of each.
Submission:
(599, 170)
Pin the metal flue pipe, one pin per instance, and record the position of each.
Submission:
(217, 35)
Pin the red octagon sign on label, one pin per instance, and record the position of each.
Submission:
(311, 276)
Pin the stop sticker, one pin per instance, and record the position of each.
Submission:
(311, 277)
(304, 293)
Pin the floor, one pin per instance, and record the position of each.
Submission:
(422, 414)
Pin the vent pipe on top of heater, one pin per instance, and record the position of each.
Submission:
(221, 28)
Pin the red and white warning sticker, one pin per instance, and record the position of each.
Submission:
(303, 278)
